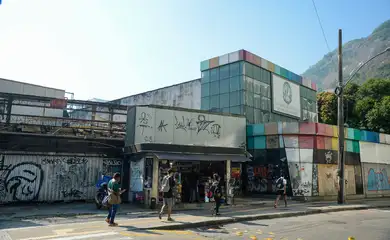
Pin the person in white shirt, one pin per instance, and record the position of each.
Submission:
(281, 185)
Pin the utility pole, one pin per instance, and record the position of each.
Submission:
(340, 122)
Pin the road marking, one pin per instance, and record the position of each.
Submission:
(70, 234)
(63, 232)
(87, 236)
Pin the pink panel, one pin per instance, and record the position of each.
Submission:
(328, 143)
(271, 128)
(306, 142)
(307, 128)
(320, 142)
(321, 129)
(214, 62)
(328, 130)
(241, 54)
(314, 86)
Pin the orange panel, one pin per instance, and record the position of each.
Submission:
(214, 62)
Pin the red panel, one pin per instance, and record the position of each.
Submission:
(271, 128)
(307, 128)
(328, 143)
(306, 142)
(321, 129)
(320, 142)
(249, 57)
(214, 62)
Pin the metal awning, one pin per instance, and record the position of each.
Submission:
(201, 157)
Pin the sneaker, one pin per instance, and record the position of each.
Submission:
(170, 219)
(113, 224)
(107, 220)
(159, 216)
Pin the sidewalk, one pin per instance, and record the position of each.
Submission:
(37, 211)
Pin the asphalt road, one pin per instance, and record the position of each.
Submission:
(370, 224)
(365, 224)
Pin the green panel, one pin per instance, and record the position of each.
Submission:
(236, 98)
(357, 134)
(224, 72)
(256, 73)
(283, 72)
(205, 76)
(303, 91)
(237, 110)
(214, 74)
(214, 88)
(248, 69)
(205, 90)
(356, 147)
(265, 76)
(224, 86)
(205, 103)
(350, 133)
(235, 69)
(214, 102)
(224, 100)
(204, 65)
(349, 147)
(236, 83)
(277, 69)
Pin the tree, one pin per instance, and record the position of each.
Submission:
(366, 106)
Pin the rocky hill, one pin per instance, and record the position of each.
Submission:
(355, 53)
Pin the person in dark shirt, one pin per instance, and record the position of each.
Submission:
(167, 186)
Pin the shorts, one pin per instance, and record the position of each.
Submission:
(168, 202)
(280, 192)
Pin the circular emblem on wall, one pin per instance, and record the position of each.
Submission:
(287, 93)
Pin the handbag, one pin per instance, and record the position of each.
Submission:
(114, 199)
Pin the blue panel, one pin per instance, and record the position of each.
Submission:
(349, 147)
(290, 75)
(364, 135)
(373, 137)
(258, 129)
(249, 130)
(260, 142)
(251, 143)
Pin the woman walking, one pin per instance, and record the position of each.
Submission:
(216, 193)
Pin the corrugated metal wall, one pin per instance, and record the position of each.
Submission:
(47, 177)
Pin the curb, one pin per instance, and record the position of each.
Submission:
(141, 213)
(259, 217)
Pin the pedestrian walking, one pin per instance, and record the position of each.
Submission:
(216, 193)
(114, 198)
(167, 185)
(281, 184)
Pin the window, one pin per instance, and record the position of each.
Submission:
(224, 100)
(248, 98)
(256, 73)
(236, 110)
(266, 104)
(257, 101)
(235, 98)
(205, 76)
(257, 116)
(236, 83)
(214, 74)
(265, 76)
(205, 90)
(214, 102)
(248, 69)
(248, 83)
(257, 86)
(224, 72)
(249, 113)
(226, 110)
(205, 103)
(214, 88)
(235, 69)
(265, 90)
(224, 85)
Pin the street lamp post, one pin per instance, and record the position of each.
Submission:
(340, 114)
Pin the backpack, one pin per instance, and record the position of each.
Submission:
(280, 183)
(165, 184)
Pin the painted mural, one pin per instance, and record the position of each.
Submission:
(328, 180)
(25, 178)
(300, 162)
(187, 128)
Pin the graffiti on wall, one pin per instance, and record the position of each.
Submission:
(261, 179)
(187, 128)
(111, 166)
(378, 180)
(315, 180)
(301, 178)
(22, 181)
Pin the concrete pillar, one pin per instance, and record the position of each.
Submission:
(228, 174)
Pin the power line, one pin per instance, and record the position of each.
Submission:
(322, 29)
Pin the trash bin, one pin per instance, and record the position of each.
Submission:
(153, 203)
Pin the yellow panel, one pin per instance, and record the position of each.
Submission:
(335, 144)
(335, 131)
(327, 179)
(271, 67)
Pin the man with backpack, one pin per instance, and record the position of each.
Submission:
(281, 184)
(167, 185)
(216, 193)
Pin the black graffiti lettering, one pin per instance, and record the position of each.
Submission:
(23, 181)
(185, 124)
(216, 130)
(144, 122)
(59, 160)
(162, 126)
(203, 124)
(72, 193)
(148, 139)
